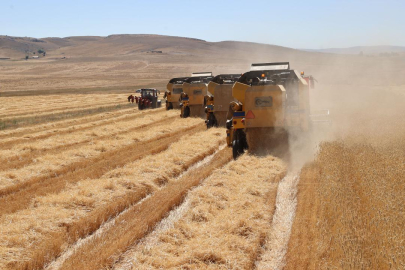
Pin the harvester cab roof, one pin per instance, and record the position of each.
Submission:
(200, 77)
(268, 74)
(226, 78)
(178, 80)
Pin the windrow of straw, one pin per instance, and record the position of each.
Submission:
(27, 152)
(68, 124)
(29, 134)
(34, 236)
(52, 162)
(227, 221)
(19, 196)
(38, 105)
(101, 250)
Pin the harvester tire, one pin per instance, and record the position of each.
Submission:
(212, 121)
(239, 144)
(169, 106)
(186, 112)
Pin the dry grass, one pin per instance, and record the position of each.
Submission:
(53, 221)
(351, 204)
(19, 155)
(39, 105)
(18, 196)
(226, 223)
(92, 147)
(69, 123)
(138, 220)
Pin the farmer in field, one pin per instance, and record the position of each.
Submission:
(131, 98)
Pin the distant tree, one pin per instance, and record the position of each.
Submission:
(26, 57)
(41, 51)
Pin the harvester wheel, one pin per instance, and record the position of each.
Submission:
(239, 144)
(212, 121)
(186, 112)
(169, 106)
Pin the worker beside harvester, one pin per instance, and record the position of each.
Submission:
(270, 100)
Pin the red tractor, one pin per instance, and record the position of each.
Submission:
(148, 99)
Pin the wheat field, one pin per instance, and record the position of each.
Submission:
(119, 188)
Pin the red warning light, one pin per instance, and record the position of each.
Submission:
(250, 115)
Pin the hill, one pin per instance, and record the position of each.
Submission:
(372, 50)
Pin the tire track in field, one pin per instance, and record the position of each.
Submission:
(67, 123)
(276, 245)
(102, 249)
(19, 161)
(19, 196)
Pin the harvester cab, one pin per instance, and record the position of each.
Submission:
(271, 99)
(148, 99)
(216, 104)
(195, 89)
(174, 90)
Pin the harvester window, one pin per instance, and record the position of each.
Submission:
(197, 92)
(177, 90)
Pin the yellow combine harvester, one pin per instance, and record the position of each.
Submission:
(174, 90)
(194, 90)
(216, 104)
(271, 100)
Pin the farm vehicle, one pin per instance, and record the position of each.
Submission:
(148, 99)
(195, 89)
(217, 103)
(174, 90)
(271, 101)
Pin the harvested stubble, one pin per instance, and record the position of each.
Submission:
(38, 132)
(18, 196)
(46, 118)
(102, 250)
(94, 144)
(69, 123)
(24, 154)
(34, 236)
(226, 223)
(19, 106)
(351, 207)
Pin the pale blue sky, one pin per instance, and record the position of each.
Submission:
(314, 24)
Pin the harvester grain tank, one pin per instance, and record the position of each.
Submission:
(216, 104)
(194, 90)
(174, 90)
(271, 100)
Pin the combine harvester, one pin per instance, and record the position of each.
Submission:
(216, 107)
(194, 90)
(271, 104)
(174, 90)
